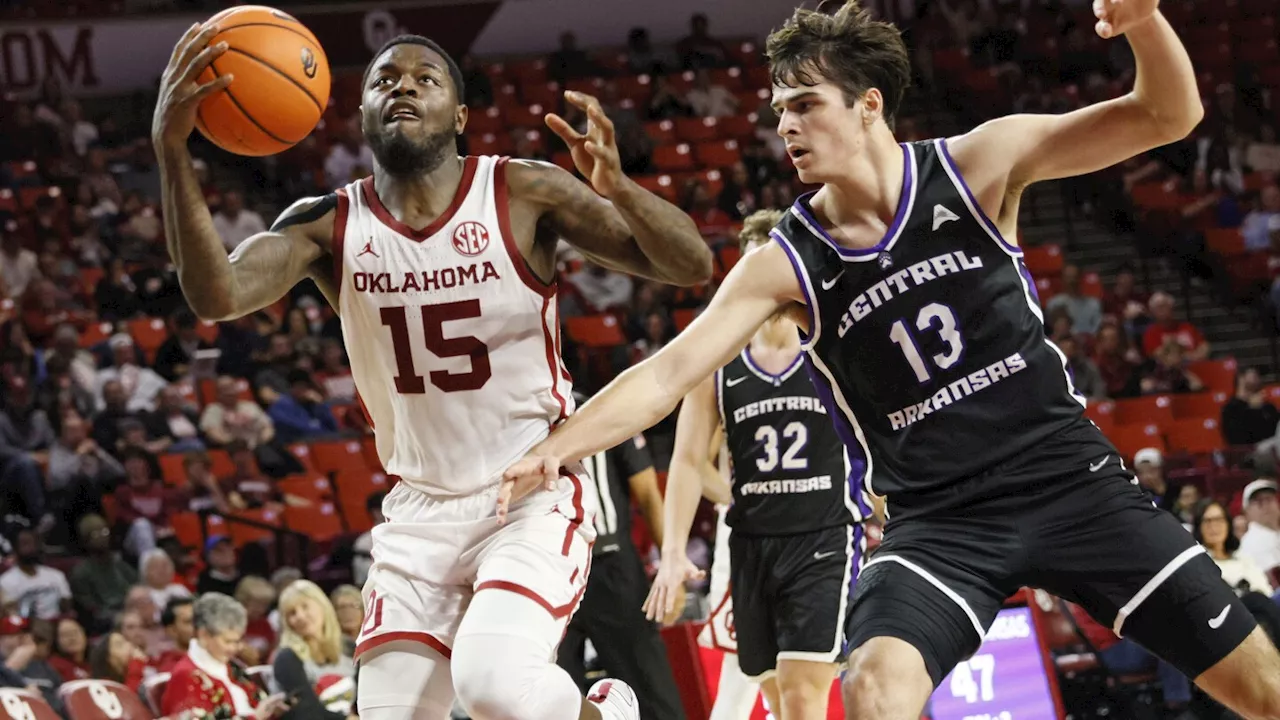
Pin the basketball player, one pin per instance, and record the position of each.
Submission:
(796, 543)
(927, 343)
(441, 268)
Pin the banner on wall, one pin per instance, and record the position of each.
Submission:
(107, 57)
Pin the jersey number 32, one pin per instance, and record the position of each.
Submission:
(408, 381)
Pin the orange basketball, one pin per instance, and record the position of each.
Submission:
(281, 84)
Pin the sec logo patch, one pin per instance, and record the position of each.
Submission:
(470, 238)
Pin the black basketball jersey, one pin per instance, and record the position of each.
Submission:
(611, 471)
(930, 347)
(790, 471)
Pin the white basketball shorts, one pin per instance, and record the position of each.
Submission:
(433, 554)
(719, 633)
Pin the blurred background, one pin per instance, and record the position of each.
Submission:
(147, 456)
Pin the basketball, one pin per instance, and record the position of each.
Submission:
(280, 86)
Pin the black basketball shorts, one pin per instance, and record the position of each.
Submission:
(1090, 536)
(791, 594)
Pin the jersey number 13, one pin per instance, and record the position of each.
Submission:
(934, 316)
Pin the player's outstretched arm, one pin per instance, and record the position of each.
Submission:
(715, 486)
(1164, 106)
(264, 267)
(624, 227)
(757, 287)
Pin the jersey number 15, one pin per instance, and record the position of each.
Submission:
(408, 381)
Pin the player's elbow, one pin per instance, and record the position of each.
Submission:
(1175, 126)
(210, 307)
(697, 268)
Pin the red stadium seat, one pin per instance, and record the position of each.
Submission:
(635, 87)
(172, 470)
(101, 700)
(673, 158)
(1091, 285)
(662, 132)
(95, 333)
(1199, 406)
(1103, 414)
(209, 390)
(370, 447)
(683, 317)
(314, 488)
(1194, 436)
(24, 705)
(220, 463)
(485, 120)
(1129, 439)
(1156, 409)
(302, 452)
(354, 489)
(1155, 196)
(149, 334)
(29, 196)
(243, 534)
(1043, 260)
(338, 455)
(1217, 375)
(694, 130)
(661, 185)
(731, 77)
(208, 331)
(320, 522)
(738, 127)
(718, 153)
(596, 331)
(746, 53)
(186, 527)
(489, 144)
(528, 71)
(152, 690)
(1225, 241)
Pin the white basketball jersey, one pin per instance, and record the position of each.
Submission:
(454, 343)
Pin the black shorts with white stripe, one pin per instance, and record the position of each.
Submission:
(1090, 536)
(791, 594)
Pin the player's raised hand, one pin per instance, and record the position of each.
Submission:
(524, 477)
(668, 588)
(180, 90)
(1116, 17)
(595, 153)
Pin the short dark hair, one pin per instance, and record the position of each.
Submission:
(168, 616)
(846, 47)
(1233, 543)
(455, 74)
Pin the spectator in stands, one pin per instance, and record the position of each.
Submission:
(174, 421)
(116, 296)
(203, 491)
(1212, 529)
(1249, 418)
(272, 376)
(600, 289)
(1123, 656)
(1256, 229)
(25, 437)
(207, 680)
(1188, 501)
(70, 656)
(312, 640)
(1261, 543)
(106, 424)
(710, 99)
(19, 267)
(1084, 374)
(139, 621)
(479, 89)
(235, 223)
(697, 201)
(1168, 373)
(348, 604)
(1117, 361)
(47, 305)
(40, 591)
(1085, 311)
(99, 179)
(698, 49)
(1148, 465)
(1125, 302)
(644, 59)
(301, 415)
(570, 62)
(220, 574)
(258, 596)
(1263, 154)
(665, 103)
(143, 503)
(116, 659)
(177, 622)
(334, 374)
(59, 394)
(18, 649)
(362, 560)
(82, 365)
(140, 384)
(157, 572)
(232, 418)
(174, 356)
(79, 469)
(26, 139)
(281, 579)
(348, 157)
(101, 580)
(247, 486)
(658, 331)
(1165, 325)
(80, 133)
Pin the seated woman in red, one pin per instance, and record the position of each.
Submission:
(207, 680)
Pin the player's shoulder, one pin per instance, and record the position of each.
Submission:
(538, 181)
(309, 211)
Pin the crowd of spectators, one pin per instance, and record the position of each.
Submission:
(105, 373)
